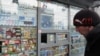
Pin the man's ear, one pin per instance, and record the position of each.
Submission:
(90, 28)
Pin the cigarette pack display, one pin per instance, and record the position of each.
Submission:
(26, 33)
(13, 55)
(24, 42)
(5, 42)
(61, 36)
(13, 32)
(32, 44)
(11, 42)
(33, 32)
(55, 51)
(5, 54)
(4, 49)
(51, 37)
(17, 32)
(13, 49)
(43, 52)
(18, 49)
(32, 54)
(9, 33)
(1, 33)
(17, 39)
(22, 54)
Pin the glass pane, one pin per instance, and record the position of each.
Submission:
(28, 2)
(18, 30)
(77, 40)
(73, 11)
(57, 15)
(18, 12)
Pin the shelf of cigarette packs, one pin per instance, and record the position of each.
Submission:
(29, 40)
(55, 51)
(16, 40)
(78, 43)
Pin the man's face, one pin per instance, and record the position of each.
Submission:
(82, 30)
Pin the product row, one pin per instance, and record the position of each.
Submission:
(16, 47)
(33, 53)
(52, 37)
(17, 32)
(55, 51)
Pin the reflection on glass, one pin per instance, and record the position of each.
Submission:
(46, 21)
(28, 2)
(73, 11)
(9, 6)
(16, 12)
(12, 5)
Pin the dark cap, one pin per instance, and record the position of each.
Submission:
(86, 17)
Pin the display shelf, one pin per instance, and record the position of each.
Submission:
(12, 40)
(51, 23)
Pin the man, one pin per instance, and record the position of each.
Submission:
(87, 23)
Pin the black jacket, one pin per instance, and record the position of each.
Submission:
(93, 42)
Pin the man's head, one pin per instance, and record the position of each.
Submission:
(85, 20)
